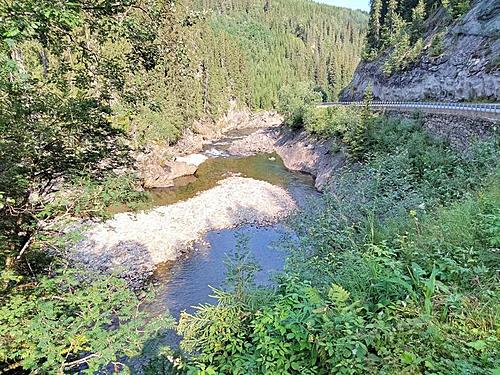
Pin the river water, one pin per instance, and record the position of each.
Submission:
(187, 282)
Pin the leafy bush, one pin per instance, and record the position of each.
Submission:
(348, 124)
(72, 321)
(295, 100)
(458, 241)
(330, 122)
(88, 197)
(437, 45)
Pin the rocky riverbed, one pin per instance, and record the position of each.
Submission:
(133, 244)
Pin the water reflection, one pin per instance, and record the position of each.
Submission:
(186, 283)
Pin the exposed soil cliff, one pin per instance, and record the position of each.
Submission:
(299, 151)
(466, 67)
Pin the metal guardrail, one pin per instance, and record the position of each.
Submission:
(489, 108)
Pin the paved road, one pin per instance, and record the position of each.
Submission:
(487, 110)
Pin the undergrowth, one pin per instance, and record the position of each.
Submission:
(88, 197)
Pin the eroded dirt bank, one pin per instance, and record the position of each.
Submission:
(299, 151)
(132, 244)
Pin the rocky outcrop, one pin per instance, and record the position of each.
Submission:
(132, 244)
(193, 159)
(158, 175)
(299, 151)
(244, 119)
(467, 69)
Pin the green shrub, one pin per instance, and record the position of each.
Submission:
(458, 241)
(72, 321)
(295, 100)
(330, 122)
(88, 197)
(344, 123)
(316, 121)
(437, 45)
(456, 8)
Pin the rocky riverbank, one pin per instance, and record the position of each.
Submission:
(133, 244)
(158, 165)
(299, 151)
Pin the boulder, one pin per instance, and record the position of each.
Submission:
(193, 159)
(157, 177)
(157, 182)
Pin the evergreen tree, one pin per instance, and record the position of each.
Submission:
(357, 144)
(276, 42)
(390, 22)
(417, 22)
(374, 24)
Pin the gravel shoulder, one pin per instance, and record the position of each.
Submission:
(132, 244)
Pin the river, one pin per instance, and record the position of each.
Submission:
(186, 282)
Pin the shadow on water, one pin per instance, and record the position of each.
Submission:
(186, 283)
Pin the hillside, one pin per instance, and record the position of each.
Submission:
(241, 52)
(442, 53)
(283, 41)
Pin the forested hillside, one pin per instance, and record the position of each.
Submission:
(241, 51)
(282, 42)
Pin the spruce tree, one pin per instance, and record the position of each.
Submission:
(374, 26)
(357, 143)
(390, 21)
(417, 21)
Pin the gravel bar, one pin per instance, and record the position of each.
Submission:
(132, 244)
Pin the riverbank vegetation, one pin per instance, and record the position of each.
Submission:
(58, 82)
(396, 271)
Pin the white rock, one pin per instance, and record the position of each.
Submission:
(160, 235)
(193, 159)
